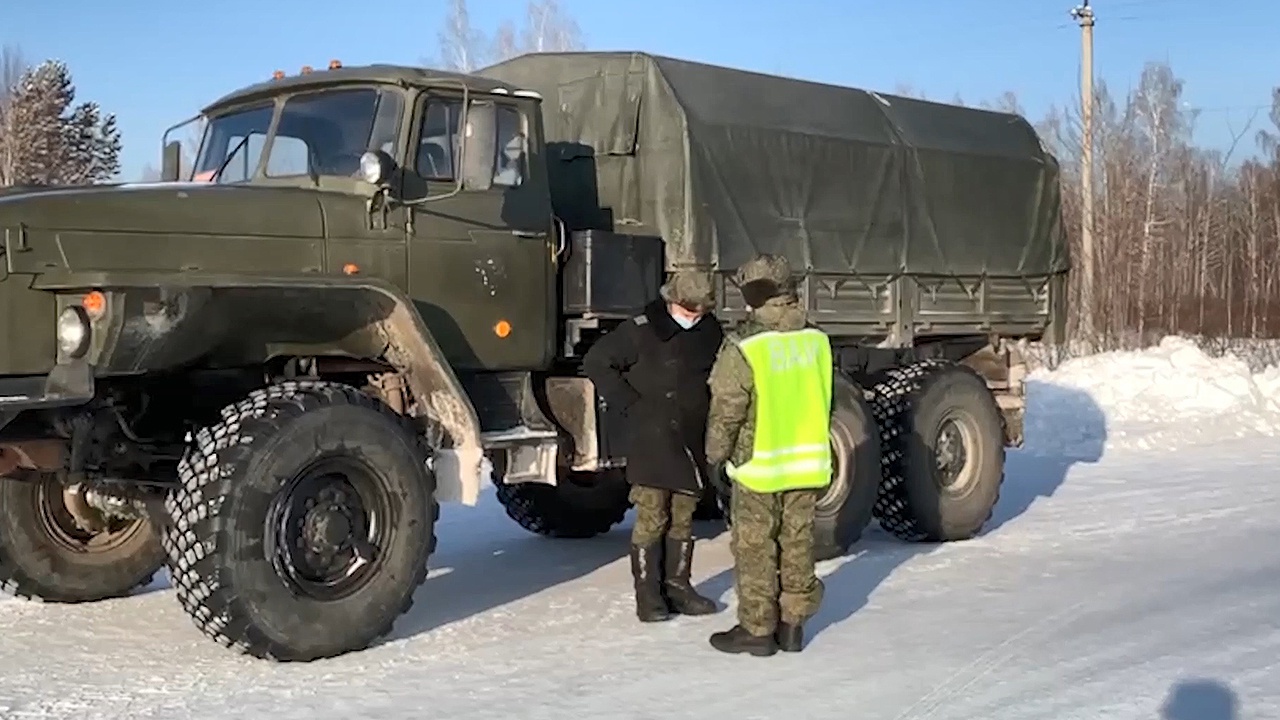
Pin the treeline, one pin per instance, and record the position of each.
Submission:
(1186, 238)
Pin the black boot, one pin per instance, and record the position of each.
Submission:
(646, 566)
(681, 596)
(740, 640)
(790, 638)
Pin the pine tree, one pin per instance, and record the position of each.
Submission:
(47, 140)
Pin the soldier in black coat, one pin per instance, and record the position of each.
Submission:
(654, 369)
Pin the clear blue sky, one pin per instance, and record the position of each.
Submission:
(153, 63)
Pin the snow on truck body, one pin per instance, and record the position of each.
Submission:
(268, 371)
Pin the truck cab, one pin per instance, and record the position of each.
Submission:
(432, 181)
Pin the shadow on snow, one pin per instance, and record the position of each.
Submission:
(485, 560)
(1200, 699)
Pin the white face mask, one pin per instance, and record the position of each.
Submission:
(686, 322)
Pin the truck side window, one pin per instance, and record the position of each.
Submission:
(438, 140)
(509, 166)
(438, 144)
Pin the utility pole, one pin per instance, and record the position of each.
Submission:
(1083, 14)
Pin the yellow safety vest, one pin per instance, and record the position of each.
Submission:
(792, 374)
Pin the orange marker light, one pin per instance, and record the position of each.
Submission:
(502, 329)
(350, 269)
(277, 75)
(306, 69)
(95, 304)
(335, 64)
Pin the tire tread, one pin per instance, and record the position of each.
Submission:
(894, 398)
(216, 455)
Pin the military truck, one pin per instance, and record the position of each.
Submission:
(268, 370)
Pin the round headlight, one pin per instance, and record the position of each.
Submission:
(372, 168)
(73, 332)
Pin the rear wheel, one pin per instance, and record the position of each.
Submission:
(845, 508)
(942, 440)
(55, 547)
(580, 505)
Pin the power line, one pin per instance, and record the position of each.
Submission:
(1229, 108)
(1126, 4)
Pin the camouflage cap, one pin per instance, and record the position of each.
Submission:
(765, 267)
(690, 289)
(768, 275)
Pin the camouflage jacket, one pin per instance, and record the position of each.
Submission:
(731, 421)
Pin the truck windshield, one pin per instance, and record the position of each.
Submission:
(318, 133)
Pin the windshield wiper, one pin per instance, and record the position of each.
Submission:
(230, 156)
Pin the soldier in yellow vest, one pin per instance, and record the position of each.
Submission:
(768, 427)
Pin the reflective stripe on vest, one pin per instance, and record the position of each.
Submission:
(792, 374)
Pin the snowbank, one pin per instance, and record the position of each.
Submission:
(1157, 398)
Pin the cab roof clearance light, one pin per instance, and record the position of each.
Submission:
(307, 70)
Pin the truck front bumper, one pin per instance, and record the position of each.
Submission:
(68, 384)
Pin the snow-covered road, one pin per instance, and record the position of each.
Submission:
(1122, 578)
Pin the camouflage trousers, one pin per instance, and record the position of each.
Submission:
(660, 514)
(773, 558)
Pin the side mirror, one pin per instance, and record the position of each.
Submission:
(479, 146)
(171, 162)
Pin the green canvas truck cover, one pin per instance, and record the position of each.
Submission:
(724, 163)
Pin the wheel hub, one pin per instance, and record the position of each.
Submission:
(326, 536)
(85, 516)
(326, 529)
(71, 521)
(951, 454)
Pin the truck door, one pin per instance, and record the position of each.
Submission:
(482, 263)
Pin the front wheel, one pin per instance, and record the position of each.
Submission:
(304, 522)
(56, 548)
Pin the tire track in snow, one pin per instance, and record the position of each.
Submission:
(928, 705)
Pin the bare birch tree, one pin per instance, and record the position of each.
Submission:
(12, 67)
(462, 46)
(506, 42)
(547, 28)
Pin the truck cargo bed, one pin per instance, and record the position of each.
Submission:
(901, 213)
(910, 306)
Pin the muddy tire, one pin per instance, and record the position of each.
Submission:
(942, 446)
(579, 506)
(845, 509)
(46, 556)
(304, 522)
